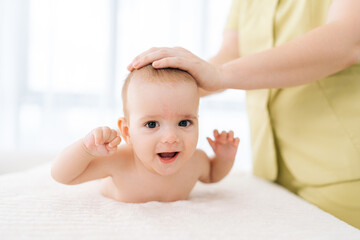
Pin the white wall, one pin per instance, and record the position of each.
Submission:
(62, 63)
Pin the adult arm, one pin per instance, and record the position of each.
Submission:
(317, 54)
(229, 51)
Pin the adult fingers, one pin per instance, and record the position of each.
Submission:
(152, 55)
(138, 57)
(156, 54)
(175, 62)
(206, 76)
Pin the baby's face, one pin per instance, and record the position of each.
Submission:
(163, 123)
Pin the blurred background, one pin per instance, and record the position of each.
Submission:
(62, 63)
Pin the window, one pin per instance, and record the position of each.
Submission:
(68, 59)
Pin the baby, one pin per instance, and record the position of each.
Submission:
(159, 161)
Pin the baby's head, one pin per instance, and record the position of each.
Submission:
(161, 117)
(148, 74)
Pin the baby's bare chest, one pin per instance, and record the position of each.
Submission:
(136, 189)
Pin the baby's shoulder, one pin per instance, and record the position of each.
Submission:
(123, 158)
(124, 151)
(199, 154)
(202, 164)
(200, 157)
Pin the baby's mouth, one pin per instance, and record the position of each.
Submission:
(168, 157)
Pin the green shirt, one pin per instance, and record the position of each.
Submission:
(313, 128)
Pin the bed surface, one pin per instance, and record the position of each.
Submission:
(33, 206)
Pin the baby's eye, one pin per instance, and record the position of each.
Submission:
(184, 123)
(152, 124)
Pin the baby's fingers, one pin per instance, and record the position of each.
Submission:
(211, 142)
(223, 137)
(109, 134)
(230, 136)
(216, 134)
(98, 136)
(231, 139)
(103, 135)
(116, 141)
(236, 142)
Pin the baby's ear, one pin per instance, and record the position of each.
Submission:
(124, 129)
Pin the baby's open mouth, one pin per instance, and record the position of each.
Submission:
(167, 157)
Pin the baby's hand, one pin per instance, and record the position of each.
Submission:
(102, 141)
(224, 145)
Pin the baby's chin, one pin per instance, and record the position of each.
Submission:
(167, 167)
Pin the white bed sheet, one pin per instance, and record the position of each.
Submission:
(33, 206)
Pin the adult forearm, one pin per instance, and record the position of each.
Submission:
(71, 163)
(317, 54)
(229, 51)
(218, 59)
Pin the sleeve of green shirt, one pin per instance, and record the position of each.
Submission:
(232, 22)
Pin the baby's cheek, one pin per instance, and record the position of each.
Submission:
(139, 145)
(191, 144)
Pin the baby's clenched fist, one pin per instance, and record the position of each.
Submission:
(102, 141)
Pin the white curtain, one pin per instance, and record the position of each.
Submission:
(62, 63)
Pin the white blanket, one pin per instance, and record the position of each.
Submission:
(33, 206)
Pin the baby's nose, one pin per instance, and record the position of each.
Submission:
(170, 137)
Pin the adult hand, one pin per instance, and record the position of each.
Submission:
(207, 75)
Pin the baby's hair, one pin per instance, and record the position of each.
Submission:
(155, 75)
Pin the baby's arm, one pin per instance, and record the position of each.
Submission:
(225, 147)
(87, 159)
